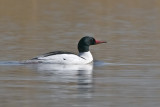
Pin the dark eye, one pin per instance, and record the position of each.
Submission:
(92, 41)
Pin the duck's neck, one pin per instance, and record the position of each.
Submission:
(84, 52)
(86, 55)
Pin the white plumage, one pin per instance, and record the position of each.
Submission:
(83, 58)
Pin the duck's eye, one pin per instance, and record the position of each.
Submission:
(92, 41)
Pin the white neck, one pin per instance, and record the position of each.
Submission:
(86, 55)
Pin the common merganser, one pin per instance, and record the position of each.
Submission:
(61, 57)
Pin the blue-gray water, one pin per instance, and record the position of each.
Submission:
(126, 71)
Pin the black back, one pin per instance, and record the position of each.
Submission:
(56, 52)
(52, 53)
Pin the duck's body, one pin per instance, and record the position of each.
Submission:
(60, 57)
(63, 58)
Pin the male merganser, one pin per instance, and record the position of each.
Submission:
(61, 57)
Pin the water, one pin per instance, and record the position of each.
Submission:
(126, 70)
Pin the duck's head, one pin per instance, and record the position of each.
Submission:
(85, 42)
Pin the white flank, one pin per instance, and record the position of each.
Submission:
(83, 58)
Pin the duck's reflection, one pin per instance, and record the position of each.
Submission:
(78, 75)
(67, 81)
(67, 73)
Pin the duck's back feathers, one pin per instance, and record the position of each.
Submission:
(52, 53)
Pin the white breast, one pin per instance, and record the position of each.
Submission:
(87, 56)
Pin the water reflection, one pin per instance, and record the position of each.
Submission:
(43, 84)
(76, 79)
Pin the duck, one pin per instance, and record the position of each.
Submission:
(61, 57)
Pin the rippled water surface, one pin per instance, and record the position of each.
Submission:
(126, 70)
